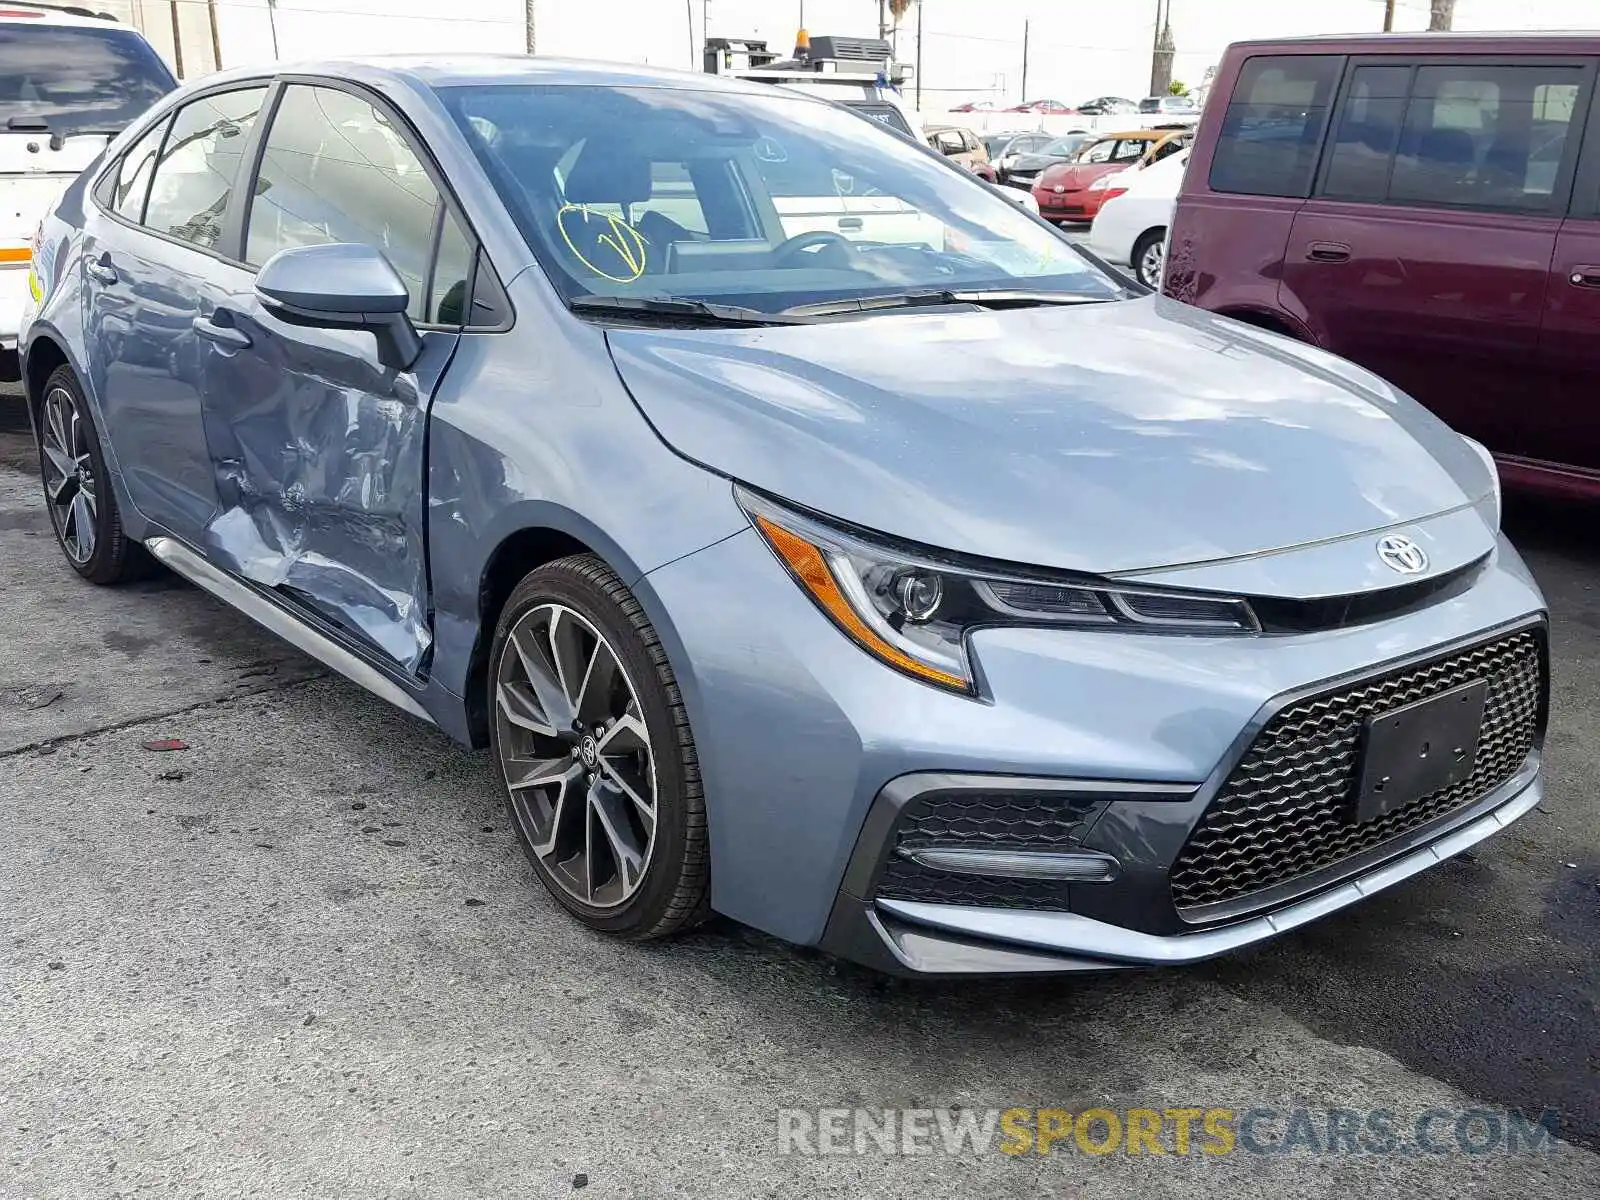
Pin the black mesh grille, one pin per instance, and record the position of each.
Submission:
(990, 821)
(1284, 811)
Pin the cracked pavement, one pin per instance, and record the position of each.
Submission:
(305, 957)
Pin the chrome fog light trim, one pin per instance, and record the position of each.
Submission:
(1016, 864)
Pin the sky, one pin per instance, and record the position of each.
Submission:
(971, 49)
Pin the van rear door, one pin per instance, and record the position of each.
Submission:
(1250, 173)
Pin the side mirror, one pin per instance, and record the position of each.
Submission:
(342, 286)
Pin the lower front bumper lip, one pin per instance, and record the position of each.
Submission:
(1081, 943)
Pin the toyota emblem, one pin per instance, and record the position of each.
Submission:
(1400, 553)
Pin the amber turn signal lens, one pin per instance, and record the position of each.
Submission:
(806, 564)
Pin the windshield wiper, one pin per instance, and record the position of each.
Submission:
(988, 298)
(682, 309)
(59, 138)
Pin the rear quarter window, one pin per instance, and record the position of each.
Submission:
(1273, 125)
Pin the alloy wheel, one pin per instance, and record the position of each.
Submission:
(576, 755)
(69, 478)
(1150, 263)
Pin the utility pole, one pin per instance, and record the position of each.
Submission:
(883, 19)
(1388, 16)
(1026, 29)
(529, 20)
(688, 12)
(919, 55)
(1440, 15)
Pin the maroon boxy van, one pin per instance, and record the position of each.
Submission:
(1426, 205)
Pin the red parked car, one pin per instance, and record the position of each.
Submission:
(1427, 207)
(1075, 190)
(1048, 107)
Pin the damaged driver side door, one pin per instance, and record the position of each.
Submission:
(316, 435)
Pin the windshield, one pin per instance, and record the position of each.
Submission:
(70, 77)
(763, 202)
(1064, 147)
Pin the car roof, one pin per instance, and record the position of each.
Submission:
(1529, 40)
(452, 70)
(25, 15)
(1149, 135)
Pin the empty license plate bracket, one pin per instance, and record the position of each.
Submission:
(1413, 751)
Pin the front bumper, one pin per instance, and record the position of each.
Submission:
(801, 737)
(907, 937)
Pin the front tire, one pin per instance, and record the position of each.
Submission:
(77, 487)
(596, 755)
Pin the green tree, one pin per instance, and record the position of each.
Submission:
(1178, 88)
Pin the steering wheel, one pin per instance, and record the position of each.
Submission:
(821, 243)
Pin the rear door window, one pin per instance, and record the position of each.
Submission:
(1460, 135)
(199, 163)
(1273, 125)
(69, 78)
(1484, 137)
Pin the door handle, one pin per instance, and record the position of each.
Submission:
(1586, 277)
(851, 223)
(1331, 252)
(223, 335)
(101, 269)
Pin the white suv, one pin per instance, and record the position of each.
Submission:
(69, 82)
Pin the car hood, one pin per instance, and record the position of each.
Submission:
(1102, 437)
(1076, 176)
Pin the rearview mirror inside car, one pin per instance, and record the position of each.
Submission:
(342, 286)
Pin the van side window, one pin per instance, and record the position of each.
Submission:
(1460, 136)
(1273, 125)
(1366, 133)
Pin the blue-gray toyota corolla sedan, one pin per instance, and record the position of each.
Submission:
(814, 536)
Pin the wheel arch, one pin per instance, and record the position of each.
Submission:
(1272, 322)
(45, 355)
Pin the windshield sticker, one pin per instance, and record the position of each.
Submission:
(770, 150)
(620, 248)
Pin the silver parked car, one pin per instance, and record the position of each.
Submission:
(901, 584)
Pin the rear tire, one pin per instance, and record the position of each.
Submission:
(77, 487)
(1149, 255)
(595, 753)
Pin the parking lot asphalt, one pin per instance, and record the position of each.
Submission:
(305, 957)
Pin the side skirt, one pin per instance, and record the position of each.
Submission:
(226, 588)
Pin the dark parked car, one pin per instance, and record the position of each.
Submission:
(1022, 170)
(1108, 106)
(1428, 209)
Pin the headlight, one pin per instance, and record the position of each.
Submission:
(1482, 452)
(1103, 182)
(914, 611)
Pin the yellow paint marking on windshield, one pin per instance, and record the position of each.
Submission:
(622, 239)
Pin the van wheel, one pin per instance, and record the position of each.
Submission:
(1149, 253)
(596, 755)
(77, 488)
